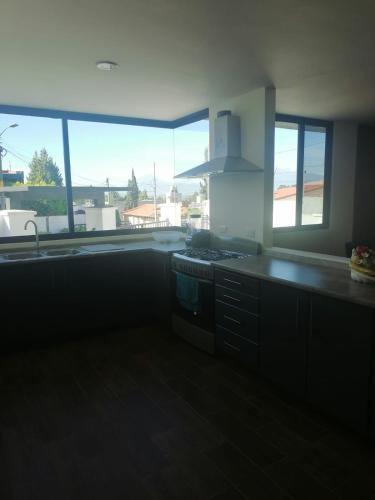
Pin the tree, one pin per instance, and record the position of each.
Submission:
(161, 198)
(190, 198)
(174, 194)
(205, 154)
(203, 189)
(132, 197)
(46, 207)
(143, 195)
(44, 171)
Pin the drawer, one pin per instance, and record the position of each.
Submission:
(237, 299)
(237, 321)
(238, 282)
(237, 347)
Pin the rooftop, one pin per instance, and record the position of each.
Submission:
(146, 210)
(290, 191)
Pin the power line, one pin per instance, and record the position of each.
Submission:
(16, 156)
(295, 149)
(86, 178)
(28, 158)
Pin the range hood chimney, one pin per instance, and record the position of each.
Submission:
(227, 150)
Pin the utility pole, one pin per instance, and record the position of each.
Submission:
(2, 195)
(155, 207)
(3, 152)
(109, 193)
(1, 165)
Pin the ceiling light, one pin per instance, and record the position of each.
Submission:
(106, 65)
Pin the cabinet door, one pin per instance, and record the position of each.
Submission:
(339, 359)
(283, 337)
(29, 303)
(237, 347)
(160, 272)
(104, 291)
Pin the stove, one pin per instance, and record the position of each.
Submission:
(193, 294)
(197, 261)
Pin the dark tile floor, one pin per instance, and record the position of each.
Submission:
(141, 415)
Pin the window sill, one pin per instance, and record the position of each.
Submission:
(68, 239)
(298, 229)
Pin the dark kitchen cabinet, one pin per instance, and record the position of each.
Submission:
(30, 303)
(53, 300)
(284, 324)
(339, 358)
(372, 391)
(107, 290)
(237, 316)
(159, 278)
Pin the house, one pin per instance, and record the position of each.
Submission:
(284, 204)
(11, 177)
(142, 214)
(139, 358)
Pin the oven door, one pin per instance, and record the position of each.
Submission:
(204, 318)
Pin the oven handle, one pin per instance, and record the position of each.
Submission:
(200, 280)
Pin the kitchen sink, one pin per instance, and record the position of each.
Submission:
(45, 253)
(22, 256)
(60, 252)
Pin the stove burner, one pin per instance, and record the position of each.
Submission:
(209, 255)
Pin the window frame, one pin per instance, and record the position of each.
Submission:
(64, 117)
(302, 122)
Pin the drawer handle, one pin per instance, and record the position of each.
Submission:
(231, 298)
(231, 346)
(232, 281)
(232, 319)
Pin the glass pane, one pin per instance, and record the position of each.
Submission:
(123, 175)
(313, 175)
(191, 149)
(113, 175)
(285, 174)
(32, 180)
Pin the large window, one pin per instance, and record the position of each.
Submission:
(302, 172)
(32, 176)
(191, 149)
(78, 173)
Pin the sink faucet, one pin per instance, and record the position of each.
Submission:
(36, 233)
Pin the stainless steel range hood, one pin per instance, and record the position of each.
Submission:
(227, 150)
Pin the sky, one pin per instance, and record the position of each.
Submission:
(102, 151)
(286, 155)
(99, 151)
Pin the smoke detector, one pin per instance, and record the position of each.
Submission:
(106, 65)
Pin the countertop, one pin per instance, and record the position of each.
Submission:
(314, 278)
(124, 247)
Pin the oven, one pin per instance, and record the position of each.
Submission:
(204, 317)
(193, 301)
(195, 325)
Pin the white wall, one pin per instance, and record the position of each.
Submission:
(241, 204)
(236, 205)
(13, 222)
(170, 212)
(57, 223)
(364, 198)
(99, 219)
(332, 240)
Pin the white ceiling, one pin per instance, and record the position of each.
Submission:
(176, 56)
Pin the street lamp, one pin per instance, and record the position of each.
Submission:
(14, 125)
(3, 152)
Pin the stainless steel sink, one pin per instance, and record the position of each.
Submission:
(60, 252)
(57, 252)
(22, 256)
